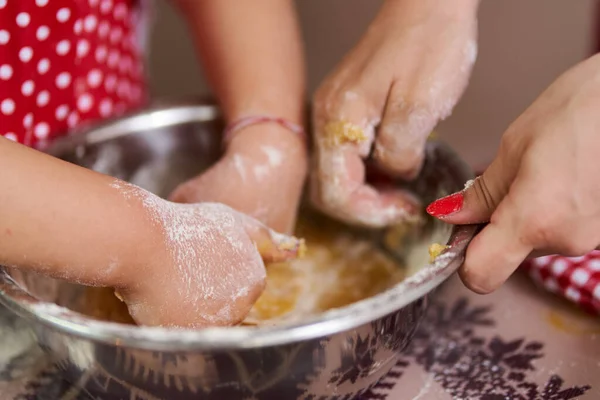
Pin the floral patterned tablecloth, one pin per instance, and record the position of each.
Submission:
(517, 344)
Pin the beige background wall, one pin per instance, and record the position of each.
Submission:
(524, 45)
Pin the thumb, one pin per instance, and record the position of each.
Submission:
(272, 246)
(478, 200)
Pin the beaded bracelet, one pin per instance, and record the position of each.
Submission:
(261, 119)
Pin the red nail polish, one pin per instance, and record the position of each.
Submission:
(446, 205)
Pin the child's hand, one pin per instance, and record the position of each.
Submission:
(208, 266)
(261, 174)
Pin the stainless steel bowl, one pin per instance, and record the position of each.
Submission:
(337, 355)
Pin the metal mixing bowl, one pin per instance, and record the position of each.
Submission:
(337, 355)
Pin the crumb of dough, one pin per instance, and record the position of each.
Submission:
(118, 296)
(340, 132)
(435, 250)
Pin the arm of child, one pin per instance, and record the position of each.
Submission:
(71, 223)
(66, 221)
(252, 54)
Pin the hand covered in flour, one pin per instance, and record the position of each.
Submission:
(261, 174)
(404, 76)
(541, 193)
(208, 267)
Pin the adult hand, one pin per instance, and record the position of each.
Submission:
(261, 174)
(208, 267)
(541, 192)
(404, 76)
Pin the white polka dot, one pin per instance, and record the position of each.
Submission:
(2, 3)
(27, 88)
(120, 11)
(106, 6)
(124, 88)
(4, 36)
(594, 265)
(7, 106)
(23, 19)
(116, 35)
(43, 66)
(572, 294)
(125, 65)
(597, 292)
(103, 29)
(90, 23)
(101, 54)
(11, 136)
(542, 261)
(580, 277)
(28, 120)
(6, 72)
(43, 98)
(559, 266)
(63, 80)
(25, 54)
(105, 107)
(83, 47)
(42, 32)
(73, 119)
(78, 27)
(63, 14)
(41, 3)
(94, 3)
(85, 102)
(551, 285)
(110, 83)
(41, 130)
(577, 259)
(63, 47)
(61, 112)
(113, 58)
(94, 78)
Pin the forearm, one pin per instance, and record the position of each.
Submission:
(65, 221)
(252, 54)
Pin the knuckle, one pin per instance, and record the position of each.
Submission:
(484, 195)
(475, 280)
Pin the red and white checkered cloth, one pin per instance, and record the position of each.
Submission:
(575, 278)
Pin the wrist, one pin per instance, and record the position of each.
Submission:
(145, 245)
(252, 139)
(456, 8)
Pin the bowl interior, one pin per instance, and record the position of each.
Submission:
(160, 148)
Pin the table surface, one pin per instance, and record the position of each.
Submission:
(519, 343)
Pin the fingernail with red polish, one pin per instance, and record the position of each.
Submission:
(446, 206)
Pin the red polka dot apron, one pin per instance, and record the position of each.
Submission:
(65, 62)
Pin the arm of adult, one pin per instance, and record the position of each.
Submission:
(540, 194)
(384, 99)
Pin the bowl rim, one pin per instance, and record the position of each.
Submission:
(329, 323)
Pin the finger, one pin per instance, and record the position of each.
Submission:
(345, 195)
(496, 252)
(479, 199)
(338, 184)
(400, 144)
(272, 246)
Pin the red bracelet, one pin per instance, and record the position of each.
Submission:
(260, 119)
